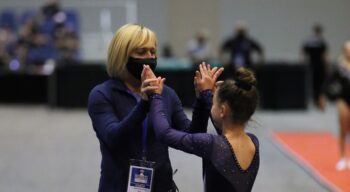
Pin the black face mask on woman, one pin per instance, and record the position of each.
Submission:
(135, 66)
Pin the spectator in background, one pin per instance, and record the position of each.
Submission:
(4, 56)
(28, 31)
(64, 36)
(198, 48)
(28, 37)
(49, 34)
(167, 51)
(315, 51)
(51, 8)
(67, 46)
(341, 79)
(33, 47)
(241, 48)
(52, 17)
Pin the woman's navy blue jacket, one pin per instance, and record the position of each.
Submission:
(117, 115)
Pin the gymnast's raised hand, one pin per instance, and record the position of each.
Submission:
(206, 78)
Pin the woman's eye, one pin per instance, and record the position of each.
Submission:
(141, 51)
(144, 51)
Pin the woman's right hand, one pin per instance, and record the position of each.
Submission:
(150, 84)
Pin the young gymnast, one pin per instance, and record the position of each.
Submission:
(231, 158)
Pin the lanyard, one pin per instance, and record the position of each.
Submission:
(144, 138)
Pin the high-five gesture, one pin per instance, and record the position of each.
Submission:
(150, 83)
(147, 73)
(206, 77)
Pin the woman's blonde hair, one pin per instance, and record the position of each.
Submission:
(126, 39)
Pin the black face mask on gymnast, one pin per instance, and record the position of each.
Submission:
(135, 66)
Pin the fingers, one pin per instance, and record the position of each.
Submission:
(143, 73)
(148, 72)
(160, 85)
(213, 70)
(162, 82)
(201, 69)
(149, 81)
(214, 73)
(217, 73)
(205, 67)
(150, 85)
(196, 78)
(218, 83)
(159, 79)
(149, 89)
(198, 75)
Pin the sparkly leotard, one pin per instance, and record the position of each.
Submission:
(221, 170)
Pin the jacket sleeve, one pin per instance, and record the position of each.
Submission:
(200, 114)
(108, 127)
(199, 144)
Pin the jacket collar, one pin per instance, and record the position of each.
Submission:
(117, 84)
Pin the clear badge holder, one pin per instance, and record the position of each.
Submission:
(140, 175)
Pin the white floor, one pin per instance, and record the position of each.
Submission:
(53, 150)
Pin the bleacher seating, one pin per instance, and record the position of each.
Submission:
(8, 19)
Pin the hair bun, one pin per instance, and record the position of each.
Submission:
(245, 78)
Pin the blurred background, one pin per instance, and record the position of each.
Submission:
(52, 53)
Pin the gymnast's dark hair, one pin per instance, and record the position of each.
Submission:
(240, 94)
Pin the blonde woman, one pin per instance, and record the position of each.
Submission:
(343, 105)
(118, 112)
